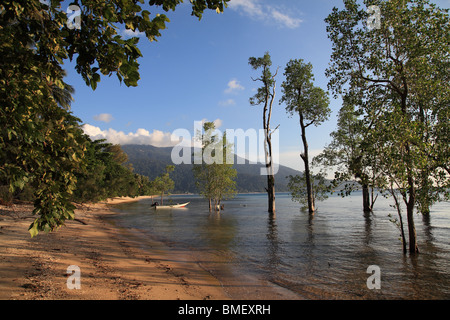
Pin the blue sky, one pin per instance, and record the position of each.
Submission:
(199, 70)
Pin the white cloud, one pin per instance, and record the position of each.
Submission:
(104, 117)
(260, 11)
(128, 33)
(234, 86)
(141, 136)
(217, 122)
(285, 20)
(225, 103)
(251, 7)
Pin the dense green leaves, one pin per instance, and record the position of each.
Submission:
(311, 104)
(163, 183)
(215, 176)
(397, 78)
(42, 146)
(301, 96)
(107, 174)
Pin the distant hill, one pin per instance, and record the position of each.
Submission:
(151, 161)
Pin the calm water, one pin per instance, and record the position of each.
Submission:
(324, 257)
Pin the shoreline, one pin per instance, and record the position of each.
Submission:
(113, 263)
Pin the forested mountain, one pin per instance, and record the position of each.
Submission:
(151, 161)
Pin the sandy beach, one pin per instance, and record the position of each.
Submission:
(113, 264)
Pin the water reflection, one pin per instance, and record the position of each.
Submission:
(426, 220)
(218, 232)
(273, 247)
(325, 255)
(368, 227)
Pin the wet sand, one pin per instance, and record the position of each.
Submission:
(114, 264)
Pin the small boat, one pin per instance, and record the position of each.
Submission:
(178, 205)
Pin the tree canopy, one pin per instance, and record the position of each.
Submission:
(398, 75)
(311, 103)
(41, 142)
(215, 176)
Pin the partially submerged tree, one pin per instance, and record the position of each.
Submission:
(350, 154)
(399, 72)
(265, 96)
(215, 176)
(163, 183)
(311, 104)
(299, 189)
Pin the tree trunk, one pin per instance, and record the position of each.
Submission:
(366, 198)
(413, 248)
(305, 157)
(397, 205)
(267, 114)
(271, 193)
(270, 177)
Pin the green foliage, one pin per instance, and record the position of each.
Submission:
(266, 92)
(150, 161)
(42, 146)
(301, 96)
(398, 79)
(163, 183)
(215, 180)
(398, 76)
(350, 154)
(265, 95)
(298, 188)
(311, 103)
(107, 175)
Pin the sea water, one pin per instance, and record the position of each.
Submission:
(324, 256)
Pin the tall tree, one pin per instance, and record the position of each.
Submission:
(40, 142)
(265, 96)
(399, 72)
(311, 104)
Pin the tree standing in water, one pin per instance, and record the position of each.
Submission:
(265, 96)
(399, 72)
(311, 104)
(215, 176)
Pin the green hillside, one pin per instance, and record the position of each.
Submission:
(151, 161)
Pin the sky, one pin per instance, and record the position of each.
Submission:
(198, 70)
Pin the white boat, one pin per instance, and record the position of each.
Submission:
(178, 205)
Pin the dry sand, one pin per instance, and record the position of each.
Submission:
(114, 265)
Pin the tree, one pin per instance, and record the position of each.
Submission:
(215, 176)
(107, 175)
(350, 155)
(164, 183)
(399, 72)
(265, 95)
(298, 188)
(311, 104)
(41, 143)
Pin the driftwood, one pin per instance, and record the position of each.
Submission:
(80, 221)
